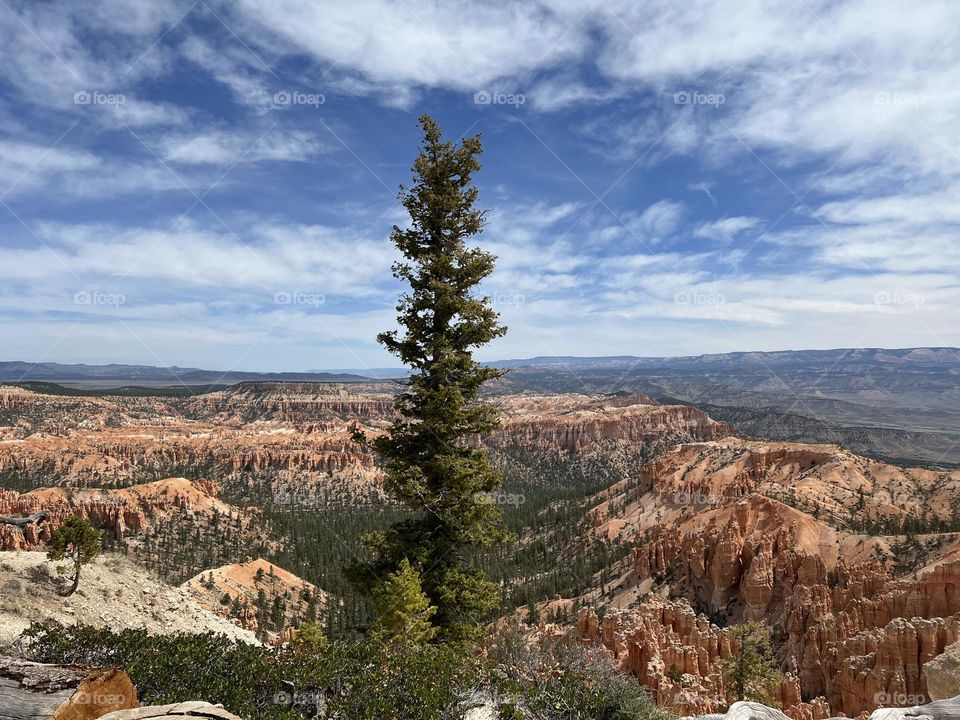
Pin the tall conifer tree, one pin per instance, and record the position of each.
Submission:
(431, 465)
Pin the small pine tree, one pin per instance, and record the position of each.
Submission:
(76, 541)
(277, 614)
(403, 611)
(309, 638)
(533, 613)
(751, 671)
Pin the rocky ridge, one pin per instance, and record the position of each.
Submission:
(231, 591)
(711, 536)
(127, 513)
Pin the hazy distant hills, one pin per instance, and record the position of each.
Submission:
(932, 356)
(899, 404)
(844, 361)
(113, 374)
(830, 381)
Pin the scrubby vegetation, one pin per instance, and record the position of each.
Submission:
(751, 669)
(522, 675)
(543, 676)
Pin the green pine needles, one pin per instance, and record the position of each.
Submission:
(77, 542)
(430, 463)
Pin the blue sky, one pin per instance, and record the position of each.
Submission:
(213, 184)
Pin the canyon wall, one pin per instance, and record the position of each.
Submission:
(852, 635)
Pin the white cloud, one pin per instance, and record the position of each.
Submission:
(48, 56)
(61, 172)
(924, 209)
(227, 148)
(726, 229)
(263, 260)
(856, 103)
(28, 164)
(457, 45)
(246, 75)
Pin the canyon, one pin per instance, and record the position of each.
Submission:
(854, 563)
(735, 530)
(294, 440)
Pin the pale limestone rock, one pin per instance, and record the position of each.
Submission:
(943, 674)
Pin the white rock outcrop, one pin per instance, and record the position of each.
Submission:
(943, 674)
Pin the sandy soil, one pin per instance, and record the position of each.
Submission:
(113, 593)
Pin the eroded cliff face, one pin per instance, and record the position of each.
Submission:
(130, 515)
(272, 445)
(844, 652)
(296, 438)
(731, 529)
(825, 480)
(680, 656)
(850, 633)
(297, 435)
(574, 423)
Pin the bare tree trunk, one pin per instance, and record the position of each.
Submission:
(73, 588)
(177, 711)
(33, 691)
(37, 517)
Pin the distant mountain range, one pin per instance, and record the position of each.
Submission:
(941, 357)
(891, 403)
(927, 355)
(110, 375)
(901, 403)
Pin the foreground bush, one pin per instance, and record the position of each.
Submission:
(554, 677)
(339, 680)
(523, 675)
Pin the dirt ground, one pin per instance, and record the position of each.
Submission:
(113, 593)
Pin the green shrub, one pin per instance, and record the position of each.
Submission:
(557, 678)
(527, 676)
(361, 680)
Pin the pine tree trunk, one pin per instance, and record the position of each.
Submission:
(73, 587)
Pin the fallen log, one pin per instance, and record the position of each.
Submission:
(177, 710)
(34, 691)
(37, 517)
